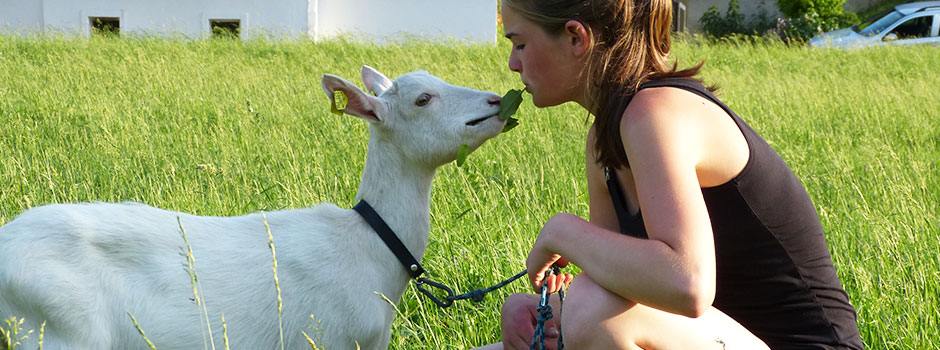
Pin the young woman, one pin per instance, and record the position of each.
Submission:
(699, 236)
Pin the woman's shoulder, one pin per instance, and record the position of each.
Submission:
(666, 102)
(661, 119)
(687, 123)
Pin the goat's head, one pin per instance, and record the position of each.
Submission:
(422, 116)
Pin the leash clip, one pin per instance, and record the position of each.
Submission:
(449, 299)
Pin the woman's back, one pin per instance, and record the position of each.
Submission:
(775, 275)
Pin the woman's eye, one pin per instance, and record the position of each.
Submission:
(520, 46)
(423, 100)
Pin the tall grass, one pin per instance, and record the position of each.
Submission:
(227, 128)
(277, 283)
(196, 284)
(140, 330)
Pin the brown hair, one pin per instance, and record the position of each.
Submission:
(630, 45)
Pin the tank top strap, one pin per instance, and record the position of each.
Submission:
(691, 85)
(696, 87)
(631, 225)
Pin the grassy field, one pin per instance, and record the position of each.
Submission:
(227, 128)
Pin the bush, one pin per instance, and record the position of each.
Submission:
(733, 22)
(798, 8)
(716, 25)
(847, 19)
(808, 18)
(811, 24)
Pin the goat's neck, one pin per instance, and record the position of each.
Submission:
(400, 192)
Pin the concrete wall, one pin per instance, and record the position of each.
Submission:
(378, 20)
(858, 5)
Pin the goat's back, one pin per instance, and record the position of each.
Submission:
(83, 267)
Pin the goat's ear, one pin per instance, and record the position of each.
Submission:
(375, 81)
(358, 102)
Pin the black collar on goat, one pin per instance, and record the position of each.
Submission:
(391, 240)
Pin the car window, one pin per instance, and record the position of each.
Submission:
(916, 27)
(936, 26)
(878, 23)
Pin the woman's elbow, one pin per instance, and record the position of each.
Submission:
(698, 305)
(697, 298)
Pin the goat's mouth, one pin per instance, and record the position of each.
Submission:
(479, 120)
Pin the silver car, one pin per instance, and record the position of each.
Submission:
(911, 23)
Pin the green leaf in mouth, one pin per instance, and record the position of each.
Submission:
(462, 153)
(510, 103)
(511, 123)
(508, 106)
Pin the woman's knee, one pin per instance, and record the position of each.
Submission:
(518, 304)
(593, 317)
(516, 320)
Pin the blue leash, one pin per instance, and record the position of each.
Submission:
(475, 295)
(544, 309)
(545, 314)
(413, 267)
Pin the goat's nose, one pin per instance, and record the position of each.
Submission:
(494, 100)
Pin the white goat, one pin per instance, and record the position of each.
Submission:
(82, 268)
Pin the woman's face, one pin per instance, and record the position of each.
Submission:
(545, 63)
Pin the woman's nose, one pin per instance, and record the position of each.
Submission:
(514, 64)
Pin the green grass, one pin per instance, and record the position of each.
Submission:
(220, 127)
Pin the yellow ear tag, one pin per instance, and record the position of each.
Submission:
(339, 102)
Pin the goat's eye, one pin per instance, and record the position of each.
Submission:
(423, 100)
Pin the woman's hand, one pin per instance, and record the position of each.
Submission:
(518, 318)
(544, 255)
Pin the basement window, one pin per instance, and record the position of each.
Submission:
(105, 26)
(225, 28)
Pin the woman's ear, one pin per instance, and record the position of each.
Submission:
(580, 37)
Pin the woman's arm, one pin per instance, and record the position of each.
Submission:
(667, 140)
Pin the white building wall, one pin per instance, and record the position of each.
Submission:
(189, 18)
(20, 16)
(381, 20)
(378, 20)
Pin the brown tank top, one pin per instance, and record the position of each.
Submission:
(774, 272)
